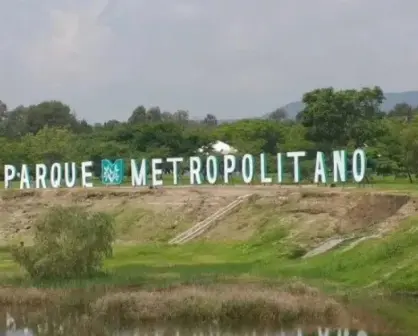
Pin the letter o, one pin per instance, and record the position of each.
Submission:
(247, 168)
(359, 155)
(211, 169)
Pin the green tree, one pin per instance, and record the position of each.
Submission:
(210, 120)
(52, 114)
(334, 118)
(409, 148)
(279, 114)
(50, 144)
(68, 243)
(14, 123)
(404, 111)
(387, 152)
(3, 109)
(181, 116)
(139, 115)
(253, 136)
(154, 114)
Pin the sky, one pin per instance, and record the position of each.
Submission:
(231, 58)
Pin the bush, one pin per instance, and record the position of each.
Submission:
(69, 242)
(297, 252)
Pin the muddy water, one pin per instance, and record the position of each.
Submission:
(195, 331)
(18, 320)
(24, 323)
(77, 325)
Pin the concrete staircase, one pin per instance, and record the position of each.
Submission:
(201, 227)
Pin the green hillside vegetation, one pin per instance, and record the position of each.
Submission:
(49, 132)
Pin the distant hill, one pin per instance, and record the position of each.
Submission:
(392, 98)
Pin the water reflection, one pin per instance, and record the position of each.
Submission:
(246, 332)
(181, 332)
(198, 332)
(76, 326)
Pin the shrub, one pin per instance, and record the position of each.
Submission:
(69, 242)
(296, 252)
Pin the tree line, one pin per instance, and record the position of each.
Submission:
(331, 119)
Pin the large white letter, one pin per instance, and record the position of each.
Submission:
(70, 179)
(212, 169)
(320, 168)
(339, 158)
(325, 333)
(139, 178)
(24, 177)
(156, 172)
(86, 174)
(9, 175)
(263, 169)
(40, 175)
(247, 166)
(359, 154)
(194, 170)
(280, 168)
(344, 332)
(55, 175)
(296, 167)
(230, 164)
(175, 161)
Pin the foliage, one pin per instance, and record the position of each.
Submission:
(69, 242)
(331, 119)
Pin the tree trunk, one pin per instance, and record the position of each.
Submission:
(410, 177)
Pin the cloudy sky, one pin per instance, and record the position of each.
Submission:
(232, 58)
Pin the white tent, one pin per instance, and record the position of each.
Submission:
(220, 148)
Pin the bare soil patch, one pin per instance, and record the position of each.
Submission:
(142, 215)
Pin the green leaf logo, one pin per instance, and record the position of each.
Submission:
(113, 172)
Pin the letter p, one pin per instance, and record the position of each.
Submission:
(9, 175)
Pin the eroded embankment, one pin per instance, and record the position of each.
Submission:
(311, 218)
(289, 306)
(140, 215)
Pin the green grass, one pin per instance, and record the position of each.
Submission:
(392, 262)
(265, 259)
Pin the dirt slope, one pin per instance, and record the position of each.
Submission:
(311, 215)
(141, 214)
